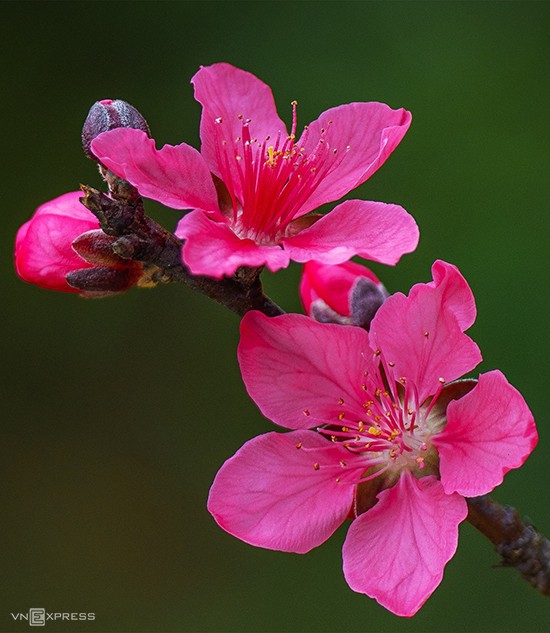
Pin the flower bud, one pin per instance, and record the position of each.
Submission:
(63, 238)
(109, 114)
(348, 293)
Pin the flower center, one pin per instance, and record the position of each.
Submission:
(391, 432)
(273, 179)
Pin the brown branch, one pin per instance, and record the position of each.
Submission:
(514, 538)
(141, 238)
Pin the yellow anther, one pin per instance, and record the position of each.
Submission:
(394, 434)
(341, 416)
(345, 429)
(341, 401)
(270, 156)
(374, 431)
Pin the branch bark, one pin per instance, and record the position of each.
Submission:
(142, 239)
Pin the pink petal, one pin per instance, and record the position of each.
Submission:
(374, 230)
(211, 248)
(296, 370)
(489, 431)
(274, 495)
(229, 97)
(43, 251)
(396, 552)
(371, 131)
(456, 293)
(175, 175)
(422, 336)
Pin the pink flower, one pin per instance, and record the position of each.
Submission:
(63, 238)
(379, 430)
(347, 293)
(267, 181)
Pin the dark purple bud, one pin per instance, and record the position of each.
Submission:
(109, 114)
(101, 282)
(365, 299)
(96, 248)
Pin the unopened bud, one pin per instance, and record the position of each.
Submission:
(348, 293)
(109, 114)
(365, 299)
(100, 281)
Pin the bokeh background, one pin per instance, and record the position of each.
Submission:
(116, 414)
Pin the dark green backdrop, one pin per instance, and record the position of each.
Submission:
(116, 414)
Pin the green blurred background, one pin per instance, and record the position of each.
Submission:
(116, 414)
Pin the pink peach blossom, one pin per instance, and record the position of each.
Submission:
(253, 185)
(63, 237)
(381, 430)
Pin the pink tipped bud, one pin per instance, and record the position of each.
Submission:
(345, 293)
(63, 237)
(109, 114)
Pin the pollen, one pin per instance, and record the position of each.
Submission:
(341, 416)
(307, 412)
(299, 445)
(441, 380)
(391, 364)
(341, 401)
(219, 120)
(316, 466)
(374, 431)
(343, 463)
(426, 334)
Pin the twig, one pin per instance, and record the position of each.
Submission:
(141, 238)
(514, 538)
